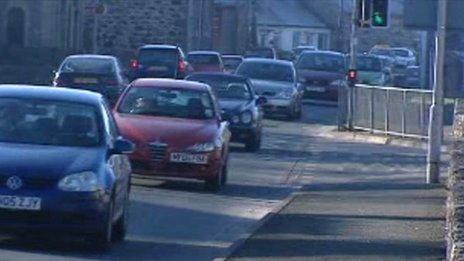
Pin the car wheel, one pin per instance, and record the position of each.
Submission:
(299, 113)
(224, 175)
(104, 237)
(254, 143)
(215, 184)
(120, 227)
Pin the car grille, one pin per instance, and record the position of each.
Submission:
(158, 152)
(31, 183)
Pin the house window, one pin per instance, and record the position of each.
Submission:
(15, 27)
(323, 41)
(296, 38)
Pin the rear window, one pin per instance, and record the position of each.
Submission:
(203, 59)
(369, 64)
(260, 53)
(88, 65)
(231, 63)
(321, 62)
(158, 56)
(266, 71)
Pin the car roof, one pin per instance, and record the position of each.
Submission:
(218, 75)
(50, 93)
(159, 46)
(322, 52)
(169, 83)
(268, 61)
(91, 56)
(204, 53)
(232, 56)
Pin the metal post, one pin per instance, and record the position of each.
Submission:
(421, 113)
(353, 52)
(371, 110)
(95, 34)
(387, 113)
(436, 110)
(403, 115)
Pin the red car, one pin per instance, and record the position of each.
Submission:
(205, 61)
(177, 128)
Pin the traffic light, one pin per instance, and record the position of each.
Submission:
(352, 76)
(380, 13)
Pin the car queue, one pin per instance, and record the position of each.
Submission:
(169, 116)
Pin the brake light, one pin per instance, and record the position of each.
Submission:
(134, 64)
(182, 66)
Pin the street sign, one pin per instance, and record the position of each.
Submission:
(422, 14)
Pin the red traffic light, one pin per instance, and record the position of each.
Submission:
(352, 75)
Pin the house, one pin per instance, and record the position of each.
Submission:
(287, 24)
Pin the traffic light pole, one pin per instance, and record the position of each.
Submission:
(353, 52)
(436, 110)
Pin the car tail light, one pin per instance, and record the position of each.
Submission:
(182, 66)
(134, 64)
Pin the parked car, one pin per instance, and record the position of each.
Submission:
(160, 61)
(63, 165)
(301, 48)
(404, 56)
(205, 61)
(411, 79)
(177, 128)
(99, 73)
(277, 81)
(231, 62)
(240, 106)
(261, 52)
(321, 73)
(371, 71)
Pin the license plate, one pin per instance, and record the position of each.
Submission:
(315, 89)
(189, 158)
(15, 202)
(86, 80)
(157, 68)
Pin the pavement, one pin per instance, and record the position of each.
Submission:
(303, 195)
(359, 201)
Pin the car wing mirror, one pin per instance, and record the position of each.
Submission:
(123, 146)
(261, 100)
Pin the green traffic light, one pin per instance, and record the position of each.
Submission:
(378, 19)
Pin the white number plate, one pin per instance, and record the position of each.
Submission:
(315, 89)
(14, 202)
(189, 158)
(86, 80)
(157, 68)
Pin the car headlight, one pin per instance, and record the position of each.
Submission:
(287, 94)
(246, 117)
(83, 182)
(202, 147)
(235, 119)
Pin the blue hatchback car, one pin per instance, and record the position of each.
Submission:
(63, 165)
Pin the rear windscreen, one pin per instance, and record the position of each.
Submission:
(88, 65)
(203, 59)
(158, 57)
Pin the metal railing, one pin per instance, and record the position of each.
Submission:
(387, 110)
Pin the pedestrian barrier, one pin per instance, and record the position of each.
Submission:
(386, 110)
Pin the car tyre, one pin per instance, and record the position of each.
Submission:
(253, 143)
(218, 181)
(120, 227)
(105, 236)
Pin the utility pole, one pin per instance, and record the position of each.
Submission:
(436, 110)
(353, 53)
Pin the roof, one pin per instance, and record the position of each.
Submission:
(269, 61)
(169, 83)
(50, 93)
(288, 13)
(232, 56)
(218, 76)
(204, 53)
(158, 46)
(92, 56)
(323, 52)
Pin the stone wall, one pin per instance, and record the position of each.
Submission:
(455, 202)
(128, 24)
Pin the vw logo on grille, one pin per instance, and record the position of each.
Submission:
(14, 183)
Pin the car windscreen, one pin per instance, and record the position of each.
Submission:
(88, 65)
(321, 62)
(231, 63)
(260, 53)
(168, 102)
(46, 122)
(203, 59)
(226, 88)
(401, 53)
(370, 64)
(266, 71)
(165, 57)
